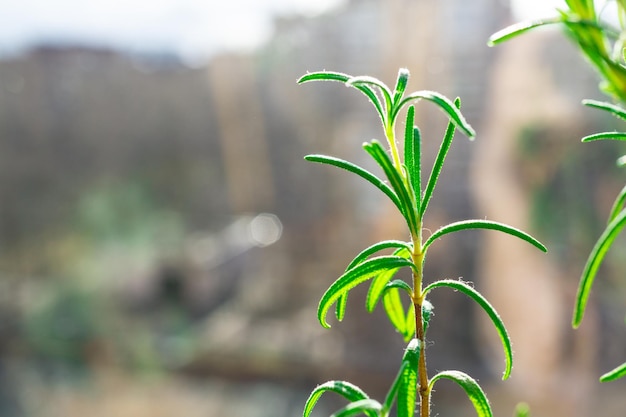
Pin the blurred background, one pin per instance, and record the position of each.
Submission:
(163, 245)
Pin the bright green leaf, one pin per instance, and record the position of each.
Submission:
(380, 282)
(491, 312)
(438, 165)
(445, 104)
(365, 80)
(611, 108)
(483, 224)
(401, 82)
(407, 390)
(519, 28)
(368, 176)
(471, 388)
(354, 277)
(367, 407)
(340, 307)
(395, 311)
(345, 389)
(408, 210)
(618, 205)
(605, 136)
(413, 155)
(338, 76)
(377, 247)
(593, 263)
(617, 373)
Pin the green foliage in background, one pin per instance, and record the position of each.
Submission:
(402, 184)
(602, 41)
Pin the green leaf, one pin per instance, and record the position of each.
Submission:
(407, 390)
(345, 389)
(324, 76)
(413, 155)
(427, 313)
(444, 103)
(368, 176)
(380, 282)
(522, 410)
(354, 277)
(367, 407)
(438, 165)
(593, 263)
(616, 373)
(471, 388)
(491, 312)
(338, 76)
(408, 210)
(483, 224)
(401, 82)
(618, 205)
(605, 136)
(377, 247)
(405, 379)
(340, 307)
(611, 108)
(519, 28)
(365, 80)
(409, 327)
(395, 312)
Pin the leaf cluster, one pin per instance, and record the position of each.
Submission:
(604, 46)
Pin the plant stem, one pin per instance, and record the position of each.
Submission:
(420, 333)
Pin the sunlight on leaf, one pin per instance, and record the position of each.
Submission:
(491, 312)
(593, 263)
(471, 388)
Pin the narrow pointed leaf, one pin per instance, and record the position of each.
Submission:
(617, 373)
(368, 176)
(340, 307)
(367, 407)
(402, 81)
(438, 165)
(365, 80)
(324, 76)
(519, 28)
(611, 108)
(618, 205)
(605, 136)
(472, 389)
(410, 323)
(427, 313)
(354, 277)
(395, 311)
(377, 288)
(407, 390)
(345, 389)
(401, 285)
(377, 247)
(413, 155)
(593, 263)
(491, 312)
(483, 224)
(444, 104)
(340, 77)
(380, 282)
(375, 149)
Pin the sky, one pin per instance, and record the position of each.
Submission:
(192, 29)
